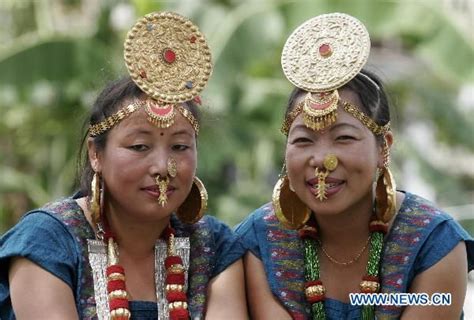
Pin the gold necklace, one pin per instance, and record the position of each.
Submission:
(345, 263)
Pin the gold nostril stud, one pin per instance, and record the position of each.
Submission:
(330, 162)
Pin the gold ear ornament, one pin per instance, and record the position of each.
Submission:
(289, 209)
(195, 204)
(95, 199)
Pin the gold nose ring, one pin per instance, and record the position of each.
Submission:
(172, 167)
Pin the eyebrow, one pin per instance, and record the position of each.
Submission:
(138, 132)
(182, 132)
(333, 127)
(344, 124)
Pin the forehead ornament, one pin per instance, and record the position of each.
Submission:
(321, 56)
(168, 59)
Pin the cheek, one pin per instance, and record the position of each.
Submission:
(361, 159)
(187, 167)
(120, 165)
(295, 160)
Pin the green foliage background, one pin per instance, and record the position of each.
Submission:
(56, 55)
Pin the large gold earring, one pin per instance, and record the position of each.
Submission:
(94, 199)
(195, 204)
(385, 190)
(289, 209)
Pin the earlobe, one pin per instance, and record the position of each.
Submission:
(389, 138)
(93, 155)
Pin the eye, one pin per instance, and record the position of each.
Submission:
(345, 138)
(300, 140)
(179, 147)
(139, 147)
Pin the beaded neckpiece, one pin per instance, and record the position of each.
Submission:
(175, 279)
(314, 288)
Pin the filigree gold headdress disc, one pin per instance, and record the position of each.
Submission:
(168, 57)
(325, 52)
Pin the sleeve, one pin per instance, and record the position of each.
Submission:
(227, 246)
(247, 234)
(44, 240)
(440, 242)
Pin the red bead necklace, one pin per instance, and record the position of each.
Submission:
(174, 284)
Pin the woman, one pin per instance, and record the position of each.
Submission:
(132, 243)
(336, 224)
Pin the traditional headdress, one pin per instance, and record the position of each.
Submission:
(320, 56)
(168, 58)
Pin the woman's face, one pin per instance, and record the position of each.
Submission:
(135, 153)
(356, 149)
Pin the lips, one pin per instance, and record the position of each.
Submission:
(329, 180)
(333, 185)
(155, 192)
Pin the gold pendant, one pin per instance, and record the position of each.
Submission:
(161, 116)
(321, 187)
(162, 187)
(320, 109)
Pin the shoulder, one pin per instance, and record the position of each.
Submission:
(41, 237)
(429, 231)
(41, 225)
(257, 219)
(416, 204)
(208, 231)
(211, 240)
(36, 224)
(420, 214)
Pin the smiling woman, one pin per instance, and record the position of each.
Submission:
(133, 241)
(336, 224)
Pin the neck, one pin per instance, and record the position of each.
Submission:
(346, 229)
(137, 238)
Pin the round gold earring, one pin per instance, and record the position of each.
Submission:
(289, 209)
(195, 204)
(94, 199)
(385, 189)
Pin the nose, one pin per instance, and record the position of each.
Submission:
(158, 165)
(317, 158)
(324, 160)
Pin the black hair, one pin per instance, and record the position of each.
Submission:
(109, 101)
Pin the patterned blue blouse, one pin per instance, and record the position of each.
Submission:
(421, 235)
(55, 238)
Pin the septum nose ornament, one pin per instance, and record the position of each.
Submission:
(163, 182)
(330, 163)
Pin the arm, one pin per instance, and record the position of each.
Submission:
(37, 294)
(262, 304)
(449, 275)
(226, 294)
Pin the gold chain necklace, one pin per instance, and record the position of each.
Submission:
(345, 263)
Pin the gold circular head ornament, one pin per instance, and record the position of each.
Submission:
(168, 57)
(325, 52)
